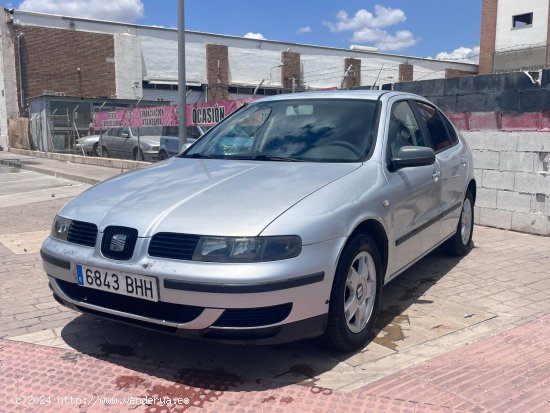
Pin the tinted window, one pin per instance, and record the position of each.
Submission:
(438, 132)
(403, 129)
(452, 132)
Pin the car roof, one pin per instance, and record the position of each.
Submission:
(339, 94)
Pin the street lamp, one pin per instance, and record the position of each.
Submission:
(182, 83)
(270, 77)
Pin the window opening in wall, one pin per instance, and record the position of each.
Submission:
(522, 20)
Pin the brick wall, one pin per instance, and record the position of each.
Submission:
(456, 73)
(406, 72)
(217, 72)
(354, 75)
(51, 58)
(290, 69)
(488, 36)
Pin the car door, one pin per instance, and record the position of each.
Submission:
(109, 141)
(414, 192)
(128, 142)
(451, 156)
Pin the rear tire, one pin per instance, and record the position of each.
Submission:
(461, 243)
(355, 296)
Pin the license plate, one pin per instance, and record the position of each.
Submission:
(132, 285)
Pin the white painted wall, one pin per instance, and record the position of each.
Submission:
(513, 180)
(8, 88)
(128, 66)
(510, 38)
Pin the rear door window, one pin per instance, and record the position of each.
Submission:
(437, 129)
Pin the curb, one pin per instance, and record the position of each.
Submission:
(78, 178)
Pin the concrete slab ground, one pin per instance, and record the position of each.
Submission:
(433, 315)
(84, 173)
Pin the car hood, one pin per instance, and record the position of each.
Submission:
(88, 139)
(209, 197)
(149, 140)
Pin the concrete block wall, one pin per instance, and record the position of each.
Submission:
(514, 92)
(513, 178)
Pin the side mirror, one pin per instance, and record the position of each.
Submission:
(413, 156)
(125, 135)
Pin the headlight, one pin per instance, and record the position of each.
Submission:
(247, 249)
(60, 228)
(151, 147)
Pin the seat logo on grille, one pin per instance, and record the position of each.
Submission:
(118, 242)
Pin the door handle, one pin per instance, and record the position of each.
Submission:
(436, 175)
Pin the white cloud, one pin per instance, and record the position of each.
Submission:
(465, 54)
(385, 41)
(305, 29)
(257, 36)
(382, 17)
(368, 27)
(119, 10)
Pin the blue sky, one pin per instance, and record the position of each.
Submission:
(411, 27)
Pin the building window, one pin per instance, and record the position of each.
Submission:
(522, 20)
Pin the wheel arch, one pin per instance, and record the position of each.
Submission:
(375, 229)
(472, 187)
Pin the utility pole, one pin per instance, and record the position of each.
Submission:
(182, 83)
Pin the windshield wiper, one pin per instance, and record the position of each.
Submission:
(277, 158)
(198, 156)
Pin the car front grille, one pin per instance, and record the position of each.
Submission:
(254, 317)
(118, 242)
(175, 313)
(82, 233)
(173, 245)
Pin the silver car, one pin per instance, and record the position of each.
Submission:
(282, 223)
(123, 143)
(88, 145)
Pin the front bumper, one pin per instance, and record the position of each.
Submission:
(151, 156)
(221, 294)
(83, 148)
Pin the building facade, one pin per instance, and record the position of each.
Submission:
(49, 55)
(514, 36)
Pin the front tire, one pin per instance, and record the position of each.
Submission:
(95, 150)
(138, 155)
(461, 242)
(355, 297)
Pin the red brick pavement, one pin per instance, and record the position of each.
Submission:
(506, 373)
(509, 372)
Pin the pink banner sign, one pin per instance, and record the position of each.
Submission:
(139, 117)
(203, 114)
(207, 114)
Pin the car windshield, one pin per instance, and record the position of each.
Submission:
(311, 130)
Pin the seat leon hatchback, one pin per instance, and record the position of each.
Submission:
(282, 222)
